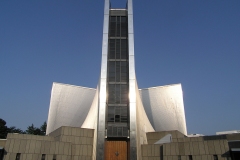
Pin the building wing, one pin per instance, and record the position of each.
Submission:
(164, 107)
(69, 106)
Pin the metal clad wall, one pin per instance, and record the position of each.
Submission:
(103, 87)
(69, 106)
(132, 84)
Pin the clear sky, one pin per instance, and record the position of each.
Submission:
(195, 43)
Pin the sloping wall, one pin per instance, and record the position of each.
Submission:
(164, 107)
(69, 106)
(143, 125)
(91, 121)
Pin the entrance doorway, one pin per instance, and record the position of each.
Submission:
(116, 150)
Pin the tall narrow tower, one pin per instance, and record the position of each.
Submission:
(115, 109)
(116, 130)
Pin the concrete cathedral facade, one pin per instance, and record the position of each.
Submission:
(119, 112)
(117, 120)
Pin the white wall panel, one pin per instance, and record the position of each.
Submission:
(69, 106)
(164, 107)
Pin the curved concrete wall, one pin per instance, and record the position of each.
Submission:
(164, 107)
(69, 106)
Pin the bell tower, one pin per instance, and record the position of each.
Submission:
(116, 121)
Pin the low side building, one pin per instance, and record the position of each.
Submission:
(65, 143)
(181, 147)
(71, 143)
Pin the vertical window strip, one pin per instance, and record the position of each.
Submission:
(18, 155)
(117, 76)
(215, 157)
(118, 26)
(43, 156)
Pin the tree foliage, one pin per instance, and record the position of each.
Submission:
(13, 129)
(43, 128)
(4, 130)
(37, 131)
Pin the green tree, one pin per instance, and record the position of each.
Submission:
(13, 129)
(30, 129)
(3, 129)
(43, 128)
(37, 131)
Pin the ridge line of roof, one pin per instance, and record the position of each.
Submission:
(161, 86)
(73, 85)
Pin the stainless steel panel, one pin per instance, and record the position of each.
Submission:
(132, 117)
(133, 149)
(100, 145)
(132, 94)
(130, 24)
(106, 6)
(105, 21)
(104, 57)
(69, 106)
(130, 7)
(132, 85)
(131, 47)
(163, 102)
(132, 75)
(102, 87)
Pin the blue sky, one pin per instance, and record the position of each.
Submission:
(195, 43)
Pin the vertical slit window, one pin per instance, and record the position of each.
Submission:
(190, 157)
(118, 93)
(215, 157)
(125, 131)
(1, 153)
(124, 93)
(112, 49)
(117, 114)
(114, 133)
(111, 113)
(112, 26)
(124, 114)
(18, 155)
(111, 71)
(117, 71)
(123, 26)
(111, 93)
(123, 49)
(118, 27)
(43, 156)
(117, 48)
(109, 131)
(124, 71)
(120, 131)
